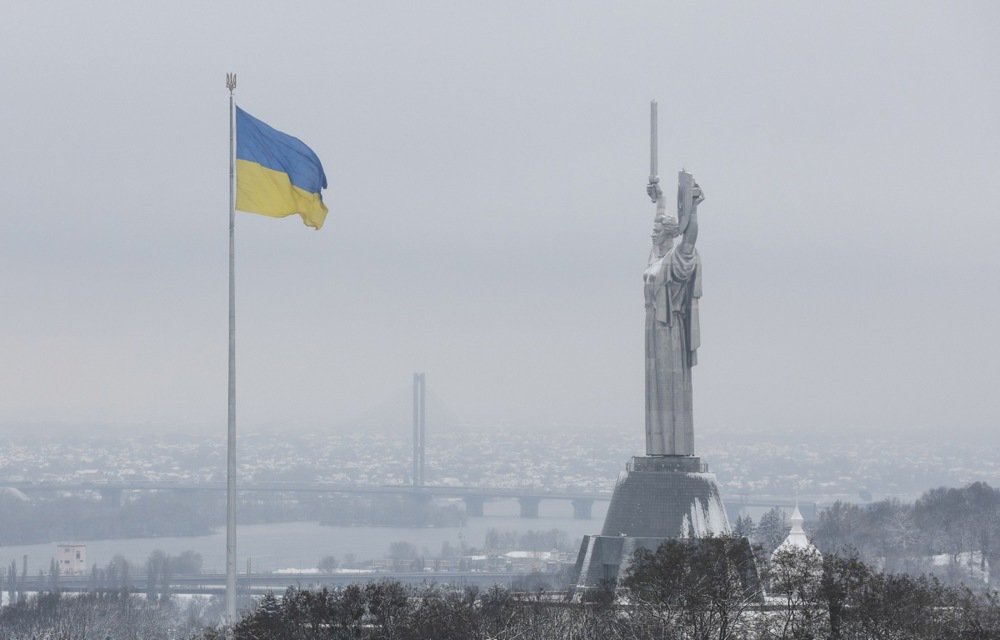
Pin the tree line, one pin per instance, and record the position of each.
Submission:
(953, 533)
(116, 577)
(678, 592)
(681, 591)
(149, 514)
(110, 615)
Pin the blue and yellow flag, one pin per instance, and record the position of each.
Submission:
(277, 175)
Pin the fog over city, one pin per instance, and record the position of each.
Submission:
(488, 223)
(468, 406)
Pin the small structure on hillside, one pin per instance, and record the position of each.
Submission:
(797, 539)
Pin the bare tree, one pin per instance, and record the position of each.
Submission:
(705, 586)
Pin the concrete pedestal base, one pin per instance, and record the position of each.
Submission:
(656, 498)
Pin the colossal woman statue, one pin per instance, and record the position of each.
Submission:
(672, 286)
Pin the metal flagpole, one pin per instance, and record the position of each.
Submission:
(231, 451)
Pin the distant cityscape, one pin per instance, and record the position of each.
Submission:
(750, 465)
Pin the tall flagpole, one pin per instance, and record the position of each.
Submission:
(231, 450)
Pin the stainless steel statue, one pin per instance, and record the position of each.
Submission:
(667, 493)
(672, 287)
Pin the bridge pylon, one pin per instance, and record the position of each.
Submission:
(474, 506)
(419, 427)
(529, 506)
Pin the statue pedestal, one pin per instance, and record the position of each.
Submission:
(656, 498)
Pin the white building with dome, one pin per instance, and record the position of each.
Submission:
(797, 539)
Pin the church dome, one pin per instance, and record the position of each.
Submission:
(797, 539)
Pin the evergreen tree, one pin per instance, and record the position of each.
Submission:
(744, 527)
(772, 530)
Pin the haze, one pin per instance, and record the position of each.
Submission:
(488, 220)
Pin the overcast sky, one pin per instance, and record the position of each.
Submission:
(488, 219)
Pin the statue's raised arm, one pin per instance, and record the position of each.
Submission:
(689, 196)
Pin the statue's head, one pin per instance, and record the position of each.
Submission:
(665, 228)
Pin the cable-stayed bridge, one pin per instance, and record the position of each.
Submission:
(474, 498)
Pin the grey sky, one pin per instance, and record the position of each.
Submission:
(488, 222)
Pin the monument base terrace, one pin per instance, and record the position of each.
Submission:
(656, 498)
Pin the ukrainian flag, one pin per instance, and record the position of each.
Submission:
(277, 175)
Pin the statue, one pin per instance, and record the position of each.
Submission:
(667, 493)
(672, 287)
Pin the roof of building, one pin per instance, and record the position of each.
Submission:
(797, 538)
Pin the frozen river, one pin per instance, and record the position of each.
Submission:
(300, 545)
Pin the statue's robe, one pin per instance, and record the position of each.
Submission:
(672, 288)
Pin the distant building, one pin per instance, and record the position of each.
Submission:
(529, 561)
(71, 559)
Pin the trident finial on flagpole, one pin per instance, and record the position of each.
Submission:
(231, 82)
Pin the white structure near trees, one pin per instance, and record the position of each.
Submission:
(71, 559)
(796, 539)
